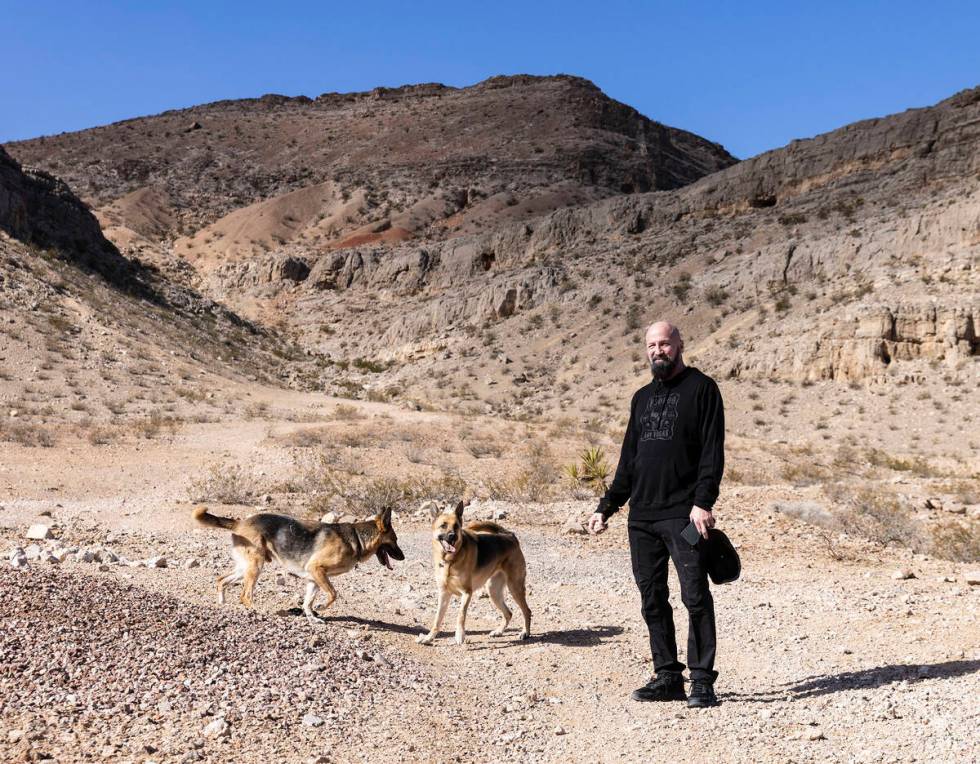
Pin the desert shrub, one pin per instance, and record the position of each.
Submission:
(306, 438)
(634, 318)
(532, 482)
(916, 465)
(356, 438)
(346, 412)
(481, 446)
(880, 517)
(715, 295)
(330, 487)
(26, 434)
(957, 540)
(682, 287)
(190, 394)
(101, 436)
(258, 410)
(365, 364)
(563, 427)
(151, 426)
(804, 473)
(793, 218)
(225, 484)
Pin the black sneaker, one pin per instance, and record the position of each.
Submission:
(661, 687)
(702, 695)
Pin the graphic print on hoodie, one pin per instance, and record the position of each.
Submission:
(673, 451)
(657, 422)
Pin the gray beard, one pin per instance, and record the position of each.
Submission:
(661, 369)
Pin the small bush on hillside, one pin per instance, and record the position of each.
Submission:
(683, 285)
(373, 367)
(715, 295)
(346, 412)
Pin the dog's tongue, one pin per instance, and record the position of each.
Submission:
(448, 547)
(383, 559)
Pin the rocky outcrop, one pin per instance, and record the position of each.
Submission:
(867, 342)
(40, 210)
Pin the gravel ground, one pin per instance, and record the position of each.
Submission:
(819, 659)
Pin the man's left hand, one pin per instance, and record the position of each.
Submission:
(702, 519)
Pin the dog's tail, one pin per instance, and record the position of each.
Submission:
(204, 517)
(485, 526)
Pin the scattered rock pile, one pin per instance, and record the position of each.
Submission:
(92, 667)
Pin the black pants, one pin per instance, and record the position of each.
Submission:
(651, 543)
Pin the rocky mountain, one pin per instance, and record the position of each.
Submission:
(227, 180)
(443, 244)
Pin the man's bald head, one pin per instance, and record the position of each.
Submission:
(664, 329)
(664, 349)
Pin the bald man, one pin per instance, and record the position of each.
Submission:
(669, 470)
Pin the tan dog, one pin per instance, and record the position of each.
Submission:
(310, 552)
(464, 559)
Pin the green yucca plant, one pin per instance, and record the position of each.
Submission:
(591, 471)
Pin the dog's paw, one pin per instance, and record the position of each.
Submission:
(524, 635)
(460, 637)
(314, 620)
(497, 632)
(425, 639)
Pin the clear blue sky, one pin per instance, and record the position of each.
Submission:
(750, 75)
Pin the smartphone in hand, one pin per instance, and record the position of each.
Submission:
(691, 534)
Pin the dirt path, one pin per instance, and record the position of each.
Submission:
(837, 663)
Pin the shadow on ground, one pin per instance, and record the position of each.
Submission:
(865, 679)
(566, 638)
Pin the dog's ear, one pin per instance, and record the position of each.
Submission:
(434, 510)
(459, 511)
(383, 518)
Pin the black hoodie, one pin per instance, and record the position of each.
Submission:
(674, 450)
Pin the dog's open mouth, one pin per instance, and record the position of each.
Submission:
(447, 547)
(387, 553)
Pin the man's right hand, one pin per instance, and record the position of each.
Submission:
(597, 523)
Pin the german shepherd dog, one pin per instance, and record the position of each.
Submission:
(310, 552)
(464, 559)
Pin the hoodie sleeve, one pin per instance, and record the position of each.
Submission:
(712, 462)
(621, 487)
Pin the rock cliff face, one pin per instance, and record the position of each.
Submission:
(41, 211)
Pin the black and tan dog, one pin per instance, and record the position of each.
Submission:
(311, 552)
(466, 558)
